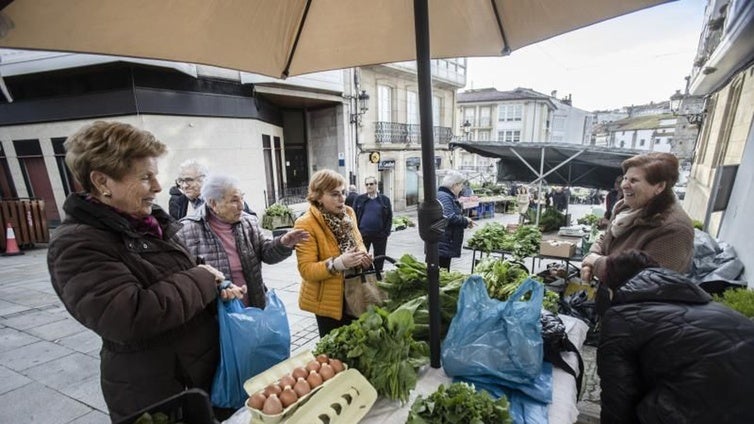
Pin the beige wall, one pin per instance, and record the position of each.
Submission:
(233, 146)
(721, 142)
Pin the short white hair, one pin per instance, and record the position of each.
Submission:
(192, 164)
(452, 178)
(216, 185)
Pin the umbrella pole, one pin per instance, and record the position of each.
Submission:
(431, 222)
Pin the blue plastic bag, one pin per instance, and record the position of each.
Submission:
(251, 341)
(488, 337)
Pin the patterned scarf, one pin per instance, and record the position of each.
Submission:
(341, 227)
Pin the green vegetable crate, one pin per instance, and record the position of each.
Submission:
(349, 390)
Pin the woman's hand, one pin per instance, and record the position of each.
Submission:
(587, 267)
(219, 277)
(233, 292)
(293, 237)
(354, 259)
(586, 273)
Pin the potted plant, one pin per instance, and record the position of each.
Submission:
(277, 215)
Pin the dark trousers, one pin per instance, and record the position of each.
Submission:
(444, 263)
(327, 324)
(380, 244)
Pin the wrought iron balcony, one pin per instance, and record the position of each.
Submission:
(395, 132)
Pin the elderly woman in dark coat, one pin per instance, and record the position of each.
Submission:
(226, 237)
(452, 239)
(118, 269)
(648, 218)
(667, 353)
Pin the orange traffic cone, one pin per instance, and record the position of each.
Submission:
(11, 247)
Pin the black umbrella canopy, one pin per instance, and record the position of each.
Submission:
(294, 37)
(563, 164)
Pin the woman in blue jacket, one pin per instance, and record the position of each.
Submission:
(452, 240)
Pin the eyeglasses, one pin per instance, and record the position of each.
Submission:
(370, 184)
(188, 180)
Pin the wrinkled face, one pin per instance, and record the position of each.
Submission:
(457, 187)
(637, 192)
(190, 182)
(334, 201)
(371, 185)
(229, 208)
(135, 192)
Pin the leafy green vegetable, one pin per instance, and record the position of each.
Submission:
(741, 300)
(503, 278)
(459, 403)
(380, 345)
(523, 243)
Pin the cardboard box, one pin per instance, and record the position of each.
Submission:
(557, 248)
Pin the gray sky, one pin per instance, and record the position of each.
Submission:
(633, 59)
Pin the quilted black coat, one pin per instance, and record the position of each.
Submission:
(668, 354)
(153, 307)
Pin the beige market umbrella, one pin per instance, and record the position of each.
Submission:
(281, 38)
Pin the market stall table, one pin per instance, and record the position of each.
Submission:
(562, 410)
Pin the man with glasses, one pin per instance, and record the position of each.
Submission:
(185, 196)
(374, 214)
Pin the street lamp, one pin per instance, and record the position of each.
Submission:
(466, 129)
(690, 107)
(359, 105)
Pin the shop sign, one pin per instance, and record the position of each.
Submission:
(386, 164)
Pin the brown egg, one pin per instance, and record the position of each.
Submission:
(301, 387)
(300, 372)
(314, 379)
(288, 396)
(256, 400)
(337, 365)
(322, 358)
(272, 389)
(272, 406)
(326, 372)
(313, 365)
(286, 380)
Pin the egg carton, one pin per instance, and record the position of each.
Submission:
(346, 401)
(272, 375)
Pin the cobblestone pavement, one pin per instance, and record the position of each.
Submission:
(49, 363)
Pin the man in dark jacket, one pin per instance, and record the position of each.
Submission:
(668, 353)
(352, 195)
(185, 195)
(374, 214)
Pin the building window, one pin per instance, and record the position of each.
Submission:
(485, 114)
(436, 108)
(384, 103)
(509, 112)
(412, 108)
(509, 136)
(484, 135)
(468, 115)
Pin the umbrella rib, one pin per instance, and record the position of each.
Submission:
(506, 49)
(295, 42)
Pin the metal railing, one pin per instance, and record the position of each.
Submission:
(395, 132)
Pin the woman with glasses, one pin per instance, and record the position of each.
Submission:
(229, 239)
(452, 239)
(185, 195)
(333, 250)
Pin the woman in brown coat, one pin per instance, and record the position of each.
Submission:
(118, 269)
(648, 218)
